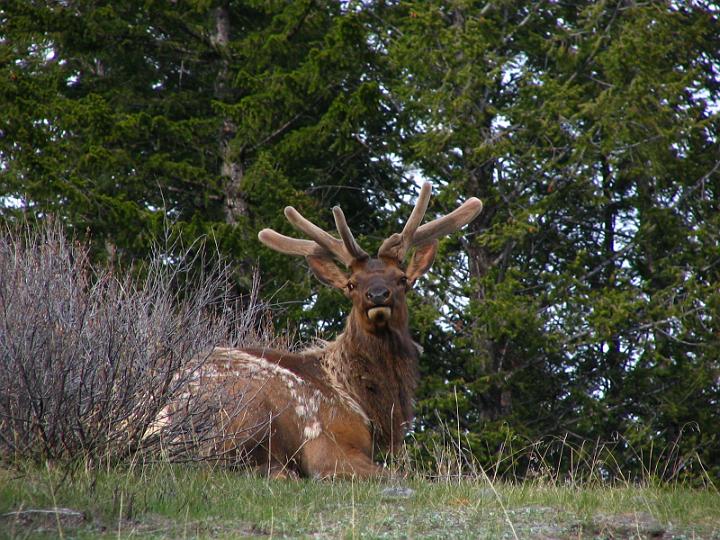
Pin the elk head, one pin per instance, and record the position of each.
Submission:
(376, 286)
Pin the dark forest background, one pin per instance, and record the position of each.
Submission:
(582, 306)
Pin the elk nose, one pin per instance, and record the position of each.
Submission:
(378, 295)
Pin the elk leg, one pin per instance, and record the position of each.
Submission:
(325, 458)
(277, 471)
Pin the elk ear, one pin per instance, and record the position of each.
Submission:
(422, 261)
(327, 271)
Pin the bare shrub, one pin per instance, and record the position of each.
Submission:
(88, 359)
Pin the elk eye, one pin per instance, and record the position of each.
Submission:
(403, 281)
(350, 286)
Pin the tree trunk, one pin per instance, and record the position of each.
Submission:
(497, 401)
(613, 357)
(231, 169)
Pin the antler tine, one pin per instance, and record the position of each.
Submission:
(290, 246)
(415, 219)
(347, 236)
(449, 223)
(397, 245)
(324, 239)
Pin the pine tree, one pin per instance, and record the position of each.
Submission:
(204, 117)
(589, 131)
(583, 304)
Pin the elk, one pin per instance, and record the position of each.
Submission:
(325, 411)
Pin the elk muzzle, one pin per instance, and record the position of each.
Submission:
(380, 312)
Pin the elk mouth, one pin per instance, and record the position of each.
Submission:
(380, 314)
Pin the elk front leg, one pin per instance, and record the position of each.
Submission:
(343, 449)
(325, 458)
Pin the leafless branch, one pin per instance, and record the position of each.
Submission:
(89, 359)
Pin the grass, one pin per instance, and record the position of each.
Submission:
(197, 501)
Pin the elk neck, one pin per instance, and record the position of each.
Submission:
(379, 371)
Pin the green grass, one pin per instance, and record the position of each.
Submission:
(184, 501)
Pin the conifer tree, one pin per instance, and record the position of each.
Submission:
(590, 131)
(207, 117)
(583, 303)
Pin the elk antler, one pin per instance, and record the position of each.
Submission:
(347, 237)
(323, 243)
(290, 246)
(397, 245)
(348, 251)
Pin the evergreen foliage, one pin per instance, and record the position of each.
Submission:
(583, 304)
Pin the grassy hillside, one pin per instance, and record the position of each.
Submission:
(73, 394)
(197, 501)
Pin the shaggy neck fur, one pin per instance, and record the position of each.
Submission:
(380, 372)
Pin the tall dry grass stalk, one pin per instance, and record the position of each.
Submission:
(88, 357)
(445, 456)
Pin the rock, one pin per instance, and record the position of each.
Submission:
(397, 492)
(635, 524)
(43, 519)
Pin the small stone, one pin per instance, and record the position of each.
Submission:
(43, 519)
(397, 492)
(640, 523)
